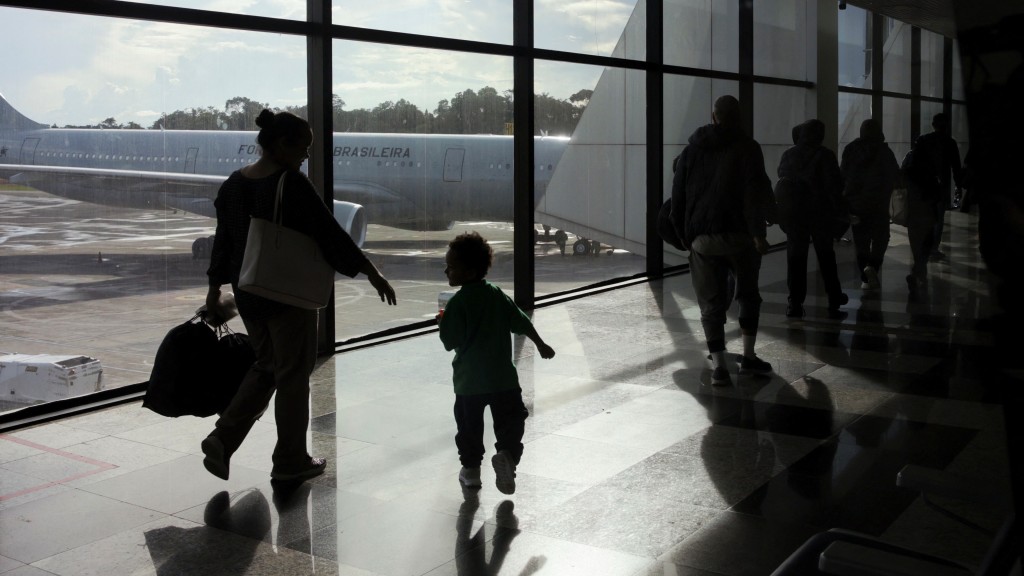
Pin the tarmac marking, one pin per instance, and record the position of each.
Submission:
(100, 466)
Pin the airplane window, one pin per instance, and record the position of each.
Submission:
(378, 162)
(550, 167)
(508, 166)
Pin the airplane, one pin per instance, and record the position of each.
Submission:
(409, 181)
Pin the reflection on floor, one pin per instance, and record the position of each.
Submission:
(634, 465)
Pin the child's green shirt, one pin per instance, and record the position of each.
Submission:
(477, 323)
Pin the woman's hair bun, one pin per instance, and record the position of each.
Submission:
(265, 118)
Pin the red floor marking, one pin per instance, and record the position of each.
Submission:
(100, 466)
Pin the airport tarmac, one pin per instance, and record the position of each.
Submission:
(107, 282)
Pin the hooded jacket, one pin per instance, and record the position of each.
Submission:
(870, 172)
(817, 166)
(720, 185)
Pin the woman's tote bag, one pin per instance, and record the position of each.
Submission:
(283, 265)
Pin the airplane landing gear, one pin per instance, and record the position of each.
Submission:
(582, 247)
(560, 238)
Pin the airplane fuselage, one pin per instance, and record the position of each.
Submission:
(407, 180)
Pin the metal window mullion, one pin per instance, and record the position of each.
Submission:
(318, 110)
(915, 83)
(523, 154)
(655, 82)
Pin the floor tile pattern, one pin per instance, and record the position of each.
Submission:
(634, 464)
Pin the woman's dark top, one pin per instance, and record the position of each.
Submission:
(241, 198)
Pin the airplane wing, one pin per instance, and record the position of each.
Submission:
(124, 188)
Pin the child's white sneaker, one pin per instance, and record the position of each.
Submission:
(505, 471)
(470, 477)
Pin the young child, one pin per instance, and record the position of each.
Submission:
(477, 323)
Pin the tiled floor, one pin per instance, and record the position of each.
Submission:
(634, 465)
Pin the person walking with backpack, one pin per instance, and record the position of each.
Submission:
(926, 170)
(814, 171)
(721, 199)
(870, 172)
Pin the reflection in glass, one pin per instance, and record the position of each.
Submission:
(481, 20)
(688, 105)
(702, 34)
(959, 128)
(597, 190)
(853, 110)
(783, 108)
(781, 38)
(896, 125)
(854, 48)
(423, 146)
(608, 28)
(114, 138)
(931, 64)
(896, 43)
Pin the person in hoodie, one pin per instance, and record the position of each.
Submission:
(870, 172)
(721, 198)
(817, 169)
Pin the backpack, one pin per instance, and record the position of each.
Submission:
(665, 228)
(791, 198)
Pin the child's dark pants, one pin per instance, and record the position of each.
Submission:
(509, 415)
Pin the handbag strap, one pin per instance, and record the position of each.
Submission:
(278, 198)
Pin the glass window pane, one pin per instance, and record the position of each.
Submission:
(959, 128)
(896, 125)
(958, 74)
(688, 105)
(789, 107)
(931, 64)
(854, 109)
(290, 9)
(422, 144)
(896, 42)
(481, 20)
(609, 28)
(596, 191)
(105, 263)
(854, 47)
(780, 38)
(928, 110)
(702, 34)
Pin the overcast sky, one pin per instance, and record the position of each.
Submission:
(69, 69)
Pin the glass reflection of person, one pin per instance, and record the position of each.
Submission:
(283, 336)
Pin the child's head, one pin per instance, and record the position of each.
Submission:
(468, 259)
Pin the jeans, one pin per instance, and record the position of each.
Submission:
(710, 277)
(871, 239)
(509, 415)
(798, 244)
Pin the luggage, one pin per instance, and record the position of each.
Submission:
(197, 369)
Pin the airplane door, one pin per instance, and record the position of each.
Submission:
(453, 164)
(28, 150)
(190, 160)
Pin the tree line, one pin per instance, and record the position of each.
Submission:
(484, 111)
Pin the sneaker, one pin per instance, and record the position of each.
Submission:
(720, 377)
(871, 278)
(754, 365)
(470, 477)
(315, 468)
(794, 311)
(216, 462)
(505, 471)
